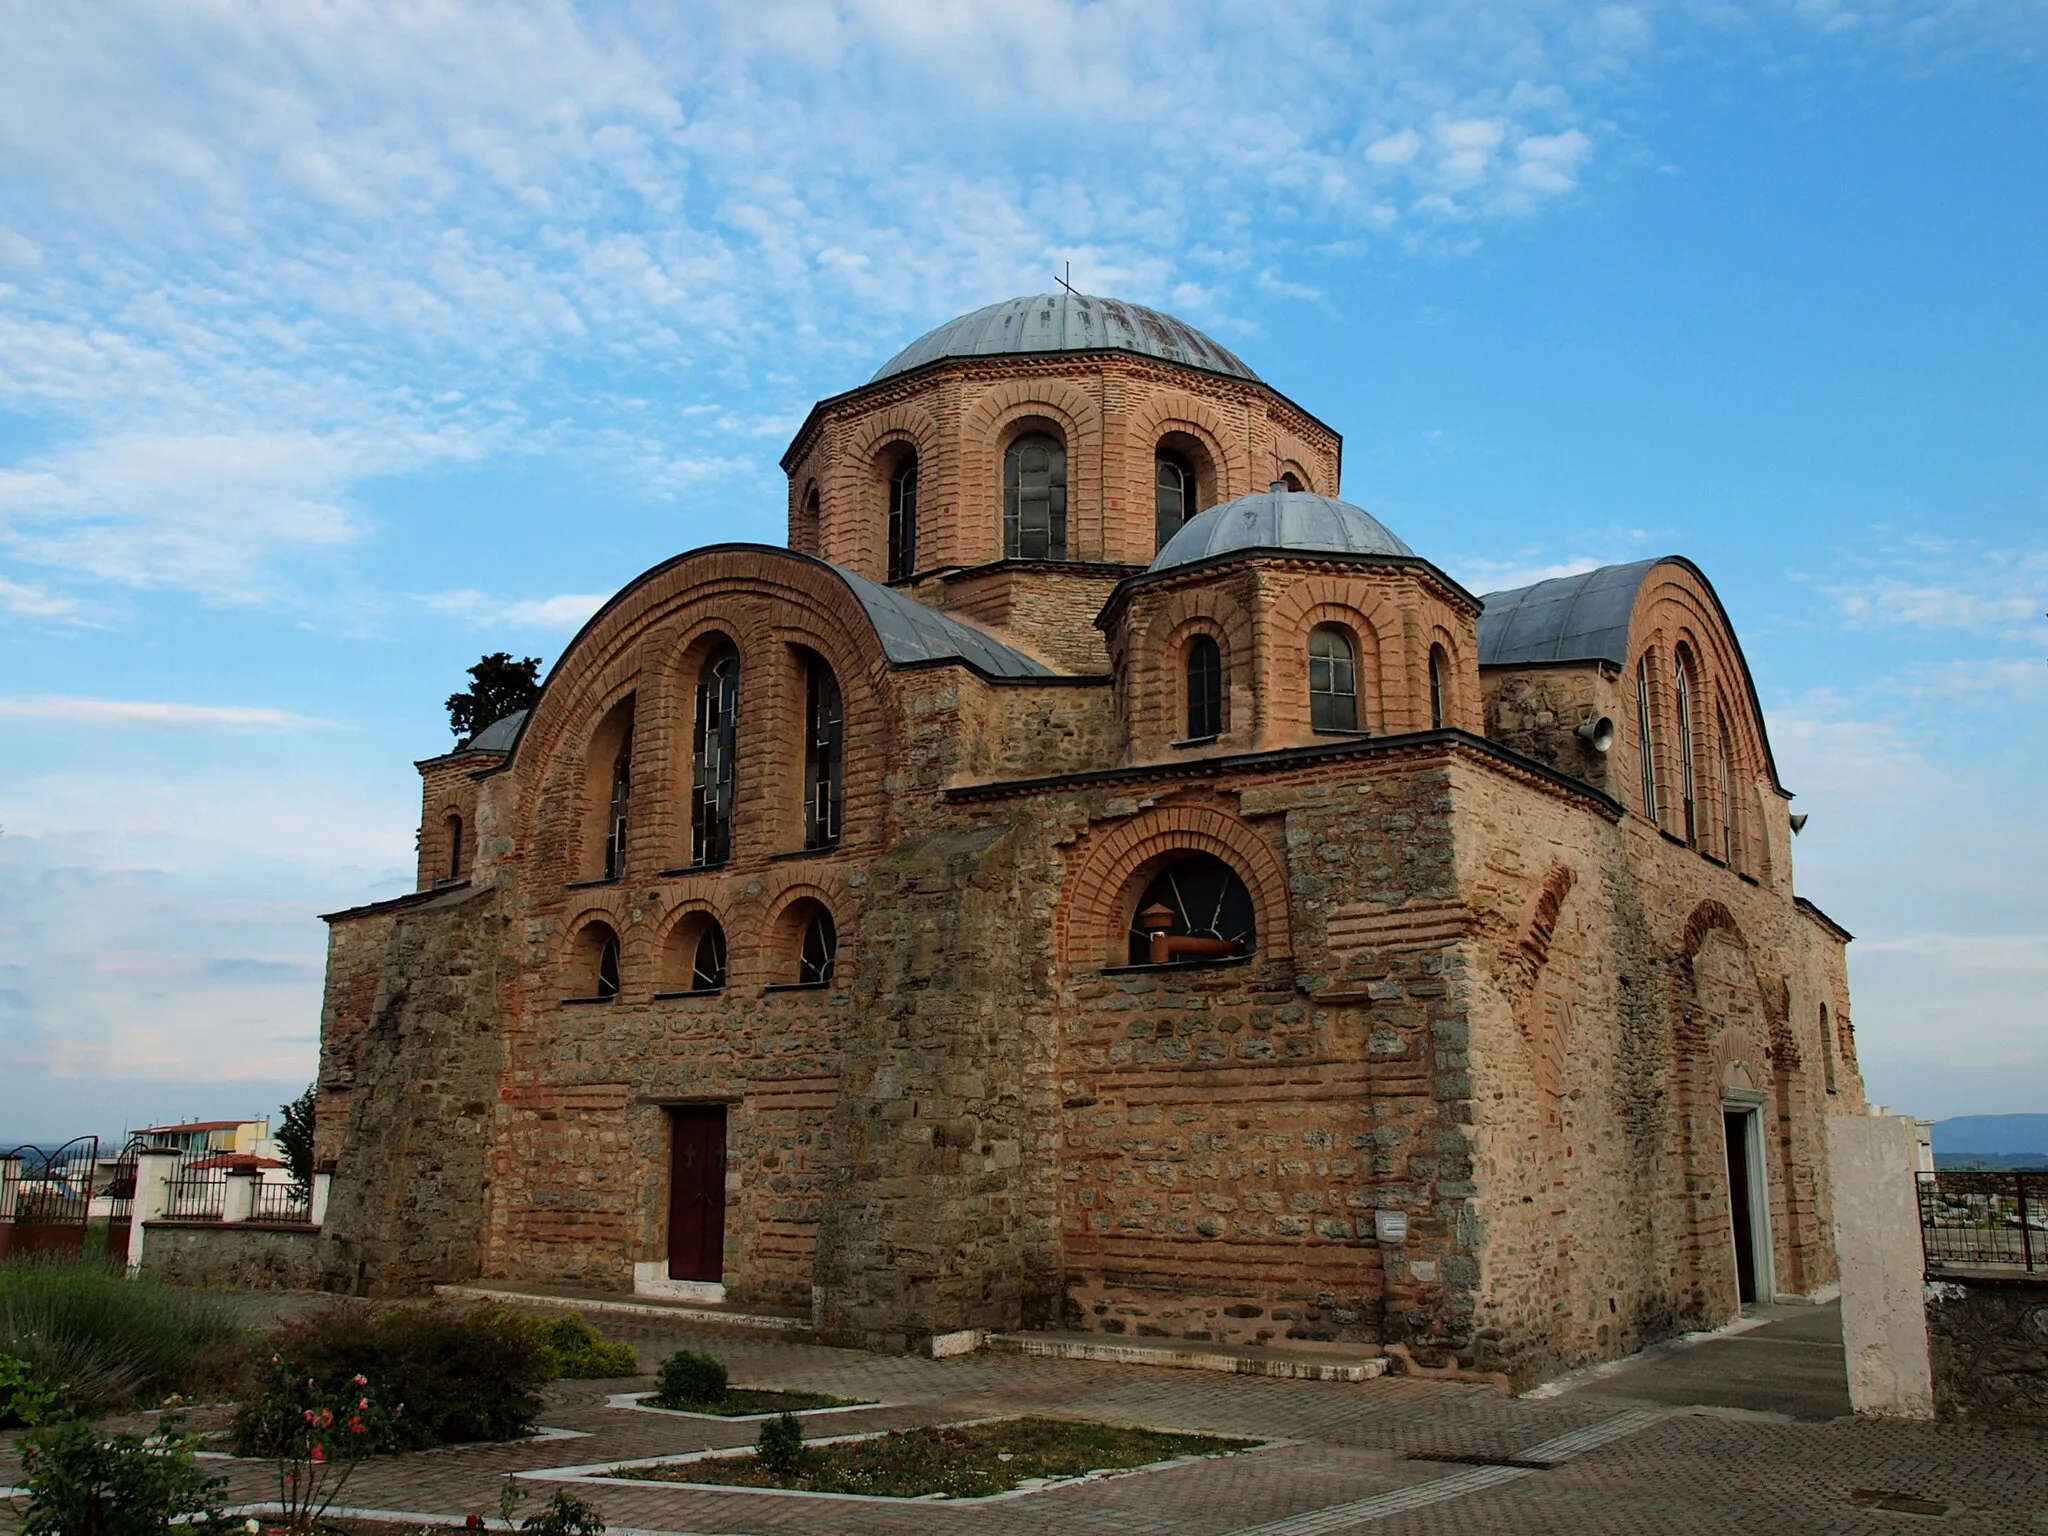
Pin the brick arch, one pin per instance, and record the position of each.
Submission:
(984, 433)
(1176, 411)
(1095, 924)
(771, 948)
(856, 526)
(1773, 1003)
(1521, 965)
(567, 951)
(1459, 696)
(1150, 674)
(1318, 600)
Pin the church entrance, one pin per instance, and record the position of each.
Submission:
(696, 1200)
(1748, 1202)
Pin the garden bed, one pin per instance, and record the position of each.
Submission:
(746, 1403)
(953, 1461)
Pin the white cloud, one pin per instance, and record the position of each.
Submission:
(1483, 576)
(145, 713)
(27, 600)
(566, 611)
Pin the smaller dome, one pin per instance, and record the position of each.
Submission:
(1279, 519)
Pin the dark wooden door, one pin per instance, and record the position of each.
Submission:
(1736, 1128)
(696, 1198)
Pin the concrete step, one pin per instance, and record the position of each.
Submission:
(712, 1312)
(1317, 1363)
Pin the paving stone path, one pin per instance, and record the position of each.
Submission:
(1394, 1456)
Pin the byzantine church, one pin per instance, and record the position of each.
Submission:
(1096, 879)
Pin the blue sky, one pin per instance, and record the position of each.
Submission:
(341, 343)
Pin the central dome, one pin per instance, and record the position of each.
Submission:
(1279, 519)
(1067, 322)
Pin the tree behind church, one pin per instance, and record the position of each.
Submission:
(498, 686)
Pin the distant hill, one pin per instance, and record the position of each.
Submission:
(1992, 1136)
(1993, 1162)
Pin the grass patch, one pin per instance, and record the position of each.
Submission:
(739, 1402)
(968, 1461)
(105, 1341)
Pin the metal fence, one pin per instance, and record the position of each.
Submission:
(1984, 1221)
(279, 1201)
(196, 1194)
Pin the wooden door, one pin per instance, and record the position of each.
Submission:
(696, 1199)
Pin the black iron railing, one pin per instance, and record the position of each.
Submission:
(196, 1194)
(276, 1200)
(1973, 1220)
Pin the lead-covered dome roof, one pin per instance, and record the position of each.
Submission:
(1067, 322)
(1280, 519)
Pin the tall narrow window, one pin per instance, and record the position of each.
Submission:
(1205, 688)
(1646, 740)
(1035, 498)
(1688, 785)
(818, 954)
(1437, 665)
(1173, 495)
(824, 758)
(806, 533)
(903, 520)
(1332, 680)
(711, 767)
(454, 847)
(1827, 1046)
(615, 818)
(1730, 841)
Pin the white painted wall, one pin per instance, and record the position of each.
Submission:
(1871, 1162)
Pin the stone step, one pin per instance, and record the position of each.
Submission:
(1319, 1363)
(711, 1312)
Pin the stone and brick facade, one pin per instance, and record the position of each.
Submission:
(1487, 972)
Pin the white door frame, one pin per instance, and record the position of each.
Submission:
(1748, 1104)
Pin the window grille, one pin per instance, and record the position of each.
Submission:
(825, 758)
(1688, 788)
(1332, 680)
(608, 969)
(818, 955)
(1205, 689)
(1173, 495)
(903, 521)
(1204, 900)
(1035, 498)
(707, 969)
(615, 821)
(712, 753)
(1646, 741)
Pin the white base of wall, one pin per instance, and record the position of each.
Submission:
(652, 1280)
(965, 1342)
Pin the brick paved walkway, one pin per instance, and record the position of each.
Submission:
(1351, 1457)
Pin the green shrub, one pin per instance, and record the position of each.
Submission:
(581, 1353)
(449, 1375)
(780, 1447)
(83, 1484)
(105, 1341)
(25, 1398)
(566, 1515)
(689, 1380)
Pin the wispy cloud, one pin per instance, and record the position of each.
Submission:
(1944, 584)
(565, 611)
(26, 600)
(139, 712)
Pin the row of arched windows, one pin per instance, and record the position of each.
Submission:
(1034, 486)
(1333, 684)
(804, 951)
(714, 764)
(1720, 835)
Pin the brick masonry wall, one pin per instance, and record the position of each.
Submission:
(1987, 1345)
(240, 1257)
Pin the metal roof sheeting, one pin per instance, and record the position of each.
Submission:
(1067, 322)
(499, 735)
(1567, 618)
(912, 634)
(1280, 520)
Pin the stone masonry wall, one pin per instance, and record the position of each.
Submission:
(1987, 1345)
(411, 1188)
(241, 1257)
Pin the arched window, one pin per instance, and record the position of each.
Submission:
(707, 965)
(1646, 739)
(1196, 908)
(1035, 498)
(1439, 664)
(615, 815)
(824, 756)
(1289, 480)
(1173, 494)
(818, 949)
(454, 848)
(1688, 779)
(903, 519)
(1332, 680)
(1205, 688)
(693, 958)
(805, 536)
(594, 964)
(1827, 1047)
(711, 765)
(1731, 838)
